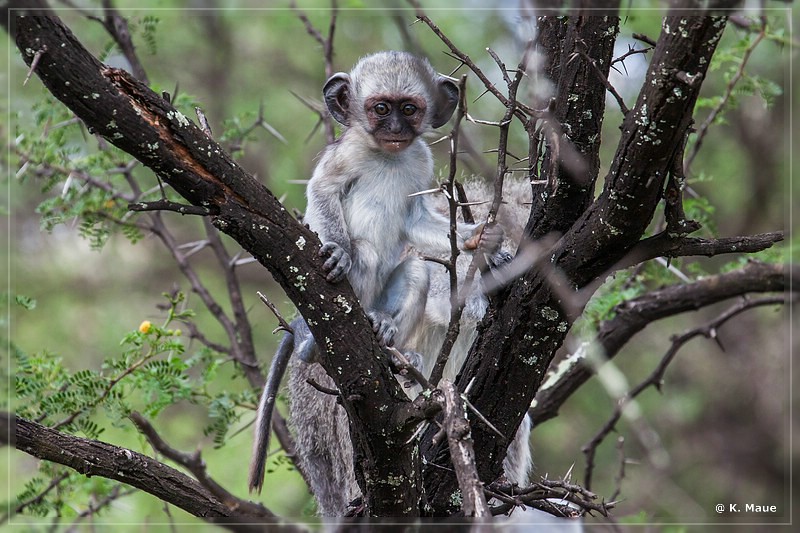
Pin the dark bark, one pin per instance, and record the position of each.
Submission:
(12, 9)
(130, 116)
(522, 330)
(572, 162)
(95, 458)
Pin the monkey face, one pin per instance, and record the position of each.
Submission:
(394, 122)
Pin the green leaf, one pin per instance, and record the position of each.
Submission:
(25, 302)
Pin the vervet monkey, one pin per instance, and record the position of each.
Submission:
(361, 204)
(323, 442)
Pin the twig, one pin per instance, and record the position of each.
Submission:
(465, 204)
(410, 369)
(115, 494)
(631, 51)
(539, 495)
(109, 386)
(195, 464)
(655, 379)
(703, 129)
(634, 315)
(454, 325)
(250, 366)
(243, 348)
(55, 482)
(522, 110)
(483, 419)
(282, 321)
(604, 79)
(644, 38)
(117, 26)
(327, 49)
(621, 473)
(321, 388)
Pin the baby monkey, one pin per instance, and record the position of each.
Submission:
(360, 204)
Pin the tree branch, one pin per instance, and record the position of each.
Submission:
(655, 379)
(634, 315)
(195, 464)
(96, 458)
(133, 118)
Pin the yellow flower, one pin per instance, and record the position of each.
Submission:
(145, 327)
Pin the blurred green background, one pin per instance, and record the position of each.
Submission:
(722, 426)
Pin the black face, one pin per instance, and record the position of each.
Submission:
(394, 121)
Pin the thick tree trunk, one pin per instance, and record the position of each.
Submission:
(526, 325)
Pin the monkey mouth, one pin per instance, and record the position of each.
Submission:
(394, 145)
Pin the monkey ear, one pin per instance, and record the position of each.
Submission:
(337, 97)
(446, 99)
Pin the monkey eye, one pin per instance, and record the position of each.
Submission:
(409, 109)
(381, 109)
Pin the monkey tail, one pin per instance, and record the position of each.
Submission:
(277, 369)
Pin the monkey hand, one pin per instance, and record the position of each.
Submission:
(487, 238)
(384, 327)
(414, 359)
(338, 263)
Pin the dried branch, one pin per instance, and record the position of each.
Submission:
(95, 458)
(195, 464)
(703, 129)
(117, 26)
(283, 324)
(454, 326)
(327, 51)
(461, 453)
(604, 79)
(54, 482)
(537, 495)
(634, 315)
(656, 378)
(522, 111)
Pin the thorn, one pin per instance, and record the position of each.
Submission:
(34, 63)
(426, 191)
(714, 335)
